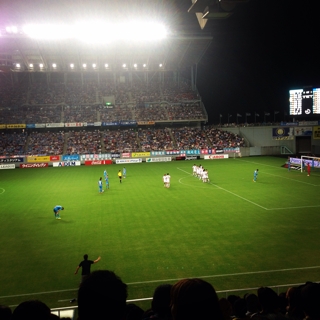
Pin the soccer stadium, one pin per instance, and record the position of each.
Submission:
(109, 155)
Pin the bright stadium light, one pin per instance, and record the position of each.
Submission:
(41, 65)
(135, 65)
(84, 65)
(71, 65)
(124, 65)
(106, 65)
(144, 65)
(94, 65)
(54, 65)
(48, 31)
(18, 65)
(160, 65)
(31, 65)
(12, 29)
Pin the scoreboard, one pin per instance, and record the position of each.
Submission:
(304, 102)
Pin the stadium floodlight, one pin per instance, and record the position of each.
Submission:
(54, 65)
(144, 65)
(71, 65)
(18, 65)
(106, 65)
(84, 65)
(41, 65)
(160, 65)
(48, 31)
(94, 65)
(135, 65)
(124, 65)
(12, 29)
(30, 65)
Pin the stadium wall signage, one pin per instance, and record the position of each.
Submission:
(55, 125)
(126, 155)
(70, 157)
(38, 159)
(100, 156)
(7, 166)
(140, 154)
(216, 156)
(157, 153)
(115, 155)
(67, 164)
(10, 160)
(16, 126)
(54, 158)
(33, 165)
(74, 124)
(121, 161)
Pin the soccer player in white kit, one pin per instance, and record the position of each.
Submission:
(194, 170)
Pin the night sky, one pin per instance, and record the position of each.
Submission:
(259, 53)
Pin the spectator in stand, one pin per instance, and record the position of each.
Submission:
(194, 299)
(160, 305)
(270, 305)
(310, 297)
(226, 308)
(253, 305)
(5, 313)
(32, 309)
(102, 295)
(294, 308)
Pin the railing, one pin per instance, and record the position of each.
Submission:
(69, 312)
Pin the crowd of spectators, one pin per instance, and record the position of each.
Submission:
(223, 139)
(75, 101)
(45, 143)
(155, 139)
(103, 295)
(116, 140)
(83, 142)
(120, 140)
(12, 144)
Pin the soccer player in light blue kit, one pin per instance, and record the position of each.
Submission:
(56, 211)
(105, 173)
(100, 185)
(255, 175)
(107, 181)
(124, 172)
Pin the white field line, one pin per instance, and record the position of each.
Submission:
(234, 194)
(268, 209)
(175, 279)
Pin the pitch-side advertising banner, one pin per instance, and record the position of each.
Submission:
(126, 161)
(33, 165)
(316, 132)
(66, 164)
(162, 159)
(216, 156)
(7, 166)
(97, 162)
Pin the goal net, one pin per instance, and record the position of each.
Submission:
(314, 163)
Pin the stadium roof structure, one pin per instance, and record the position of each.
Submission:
(19, 53)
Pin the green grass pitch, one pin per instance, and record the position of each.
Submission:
(232, 232)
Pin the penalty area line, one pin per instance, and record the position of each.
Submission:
(234, 194)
